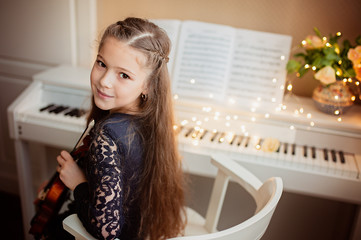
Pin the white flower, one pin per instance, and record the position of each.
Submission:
(326, 75)
(270, 145)
(312, 42)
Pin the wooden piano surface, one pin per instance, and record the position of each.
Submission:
(304, 130)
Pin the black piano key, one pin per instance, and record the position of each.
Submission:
(325, 154)
(293, 149)
(203, 134)
(63, 110)
(278, 149)
(342, 157)
(53, 109)
(232, 140)
(58, 110)
(81, 112)
(313, 149)
(214, 136)
(286, 148)
(47, 107)
(189, 132)
(240, 140)
(246, 142)
(333, 154)
(73, 112)
(305, 151)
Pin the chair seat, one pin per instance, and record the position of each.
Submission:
(195, 224)
(73, 225)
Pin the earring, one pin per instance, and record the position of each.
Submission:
(144, 97)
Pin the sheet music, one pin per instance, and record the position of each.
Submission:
(203, 60)
(258, 67)
(220, 64)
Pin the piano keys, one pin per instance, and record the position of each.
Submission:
(322, 161)
(66, 110)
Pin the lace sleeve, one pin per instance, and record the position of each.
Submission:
(101, 213)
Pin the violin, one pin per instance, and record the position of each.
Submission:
(51, 198)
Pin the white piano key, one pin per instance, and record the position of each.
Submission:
(307, 158)
(287, 154)
(280, 152)
(319, 163)
(351, 162)
(340, 167)
(262, 156)
(298, 159)
(326, 160)
(346, 167)
(333, 163)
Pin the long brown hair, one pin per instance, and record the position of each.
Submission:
(161, 190)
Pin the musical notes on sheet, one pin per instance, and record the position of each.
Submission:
(203, 60)
(258, 66)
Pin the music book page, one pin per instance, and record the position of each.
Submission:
(258, 70)
(220, 64)
(203, 60)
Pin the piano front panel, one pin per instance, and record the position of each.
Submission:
(63, 137)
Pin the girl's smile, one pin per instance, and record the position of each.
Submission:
(103, 95)
(118, 77)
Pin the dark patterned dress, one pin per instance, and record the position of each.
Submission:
(107, 204)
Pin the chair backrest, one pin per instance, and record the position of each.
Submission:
(266, 196)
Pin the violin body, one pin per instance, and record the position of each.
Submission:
(52, 197)
(48, 205)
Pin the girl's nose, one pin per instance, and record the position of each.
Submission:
(106, 80)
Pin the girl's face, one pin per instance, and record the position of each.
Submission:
(118, 77)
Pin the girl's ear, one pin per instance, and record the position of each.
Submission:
(145, 91)
(145, 87)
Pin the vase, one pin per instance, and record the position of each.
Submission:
(334, 98)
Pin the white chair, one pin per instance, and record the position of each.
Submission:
(266, 196)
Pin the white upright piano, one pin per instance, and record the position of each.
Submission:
(318, 155)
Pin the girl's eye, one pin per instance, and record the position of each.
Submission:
(123, 75)
(101, 64)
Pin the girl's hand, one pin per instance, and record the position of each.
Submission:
(69, 171)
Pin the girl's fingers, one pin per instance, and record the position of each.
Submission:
(66, 155)
(60, 160)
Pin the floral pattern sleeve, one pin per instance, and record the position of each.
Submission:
(99, 203)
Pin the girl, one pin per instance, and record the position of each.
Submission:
(130, 183)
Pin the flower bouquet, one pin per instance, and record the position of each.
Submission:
(335, 66)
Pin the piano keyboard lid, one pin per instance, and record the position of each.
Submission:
(66, 76)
